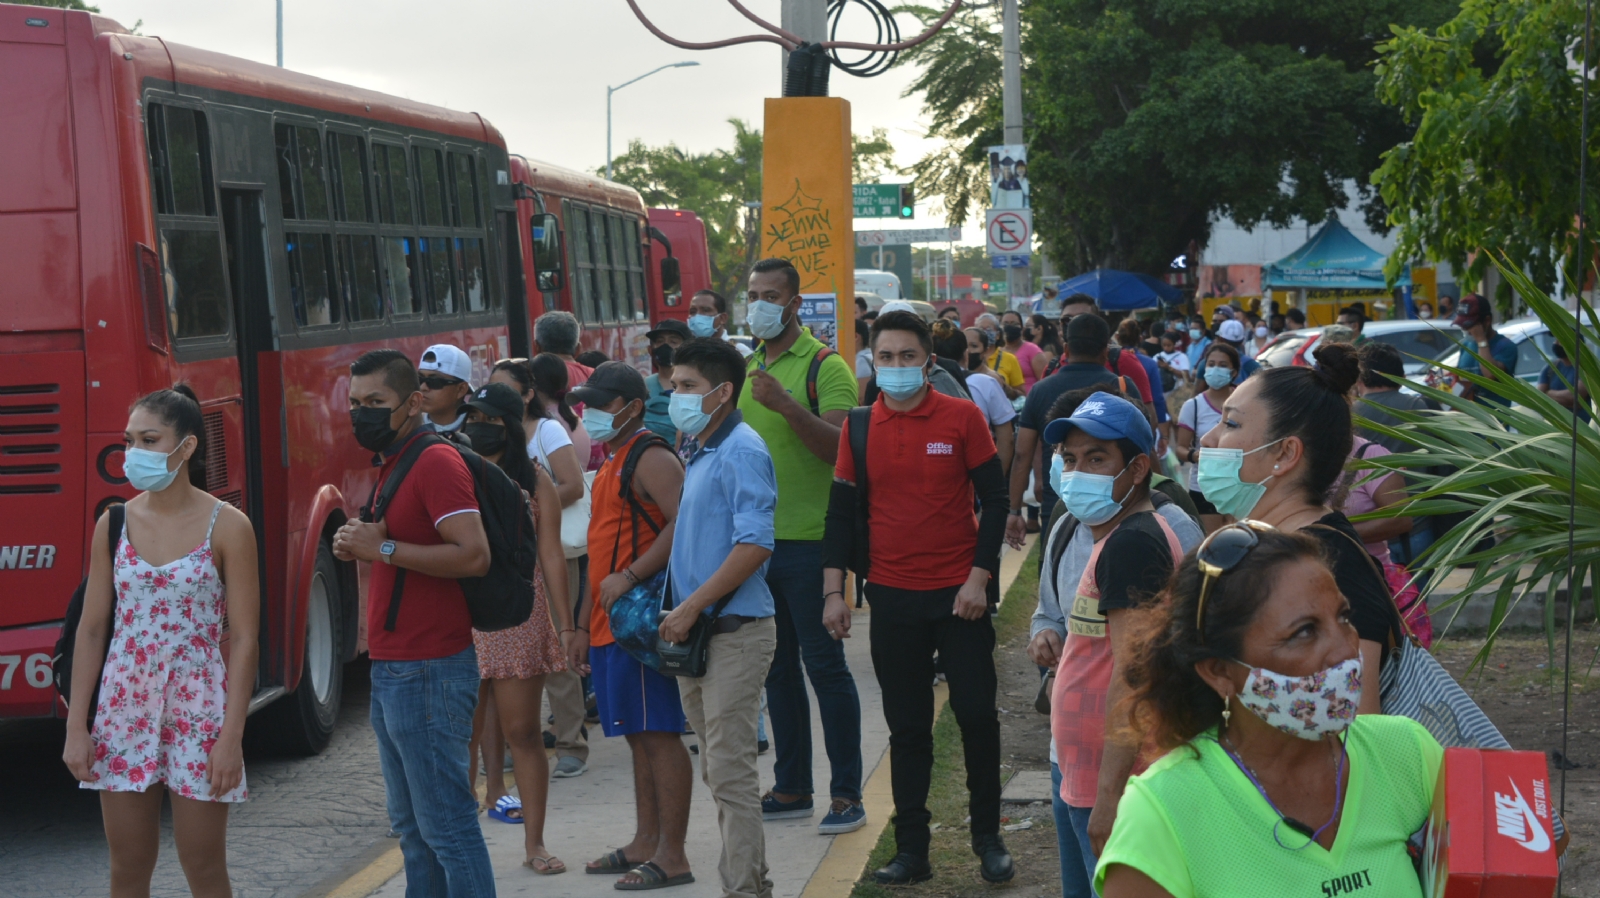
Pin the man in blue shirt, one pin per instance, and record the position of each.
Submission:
(1560, 381)
(1475, 316)
(725, 534)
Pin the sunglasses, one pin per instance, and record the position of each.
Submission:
(1220, 553)
(439, 382)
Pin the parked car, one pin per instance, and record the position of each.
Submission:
(1419, 342)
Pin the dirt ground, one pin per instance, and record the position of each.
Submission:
(1516, 690)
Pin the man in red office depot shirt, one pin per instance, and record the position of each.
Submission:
(424, 669)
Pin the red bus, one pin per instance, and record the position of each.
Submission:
(592, 249)
(167, 214)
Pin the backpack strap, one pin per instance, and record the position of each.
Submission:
(1061, 535)
(636, 511)
(811, 378)
(378, 504)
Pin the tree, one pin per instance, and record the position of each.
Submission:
(1151, 121)
(720, 187)
(1495, 97)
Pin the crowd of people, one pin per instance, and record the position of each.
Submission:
(1209, 620)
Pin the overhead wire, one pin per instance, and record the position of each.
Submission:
(888, 32)
(790, 41)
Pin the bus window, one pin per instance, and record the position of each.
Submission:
(400, 276)
(546, 251)
(430, 177)
(311, 279)
(394, 184)
(465, 191)
(191, 250)
(197, 298)
(603, 295)
(350, 176)
(180, 159)
(302, 185)
(641, 311)
(358, 267)
(436, 262)
(582, 264)
(469, 262)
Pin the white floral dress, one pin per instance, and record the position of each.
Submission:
(165, 684)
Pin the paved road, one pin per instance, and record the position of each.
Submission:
(308, 819)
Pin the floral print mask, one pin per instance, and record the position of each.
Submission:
(1310, 707)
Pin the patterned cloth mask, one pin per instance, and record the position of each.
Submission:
(1309, 707)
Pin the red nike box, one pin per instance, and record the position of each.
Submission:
(1489, 835)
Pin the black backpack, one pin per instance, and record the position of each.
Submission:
(66, 644)
(503, 597)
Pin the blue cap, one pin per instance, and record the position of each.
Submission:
(1105, 417)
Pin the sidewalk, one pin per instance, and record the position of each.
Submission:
(593, 813)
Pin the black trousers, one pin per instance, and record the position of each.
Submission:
(908, 628)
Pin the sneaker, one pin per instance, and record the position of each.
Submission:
(763, 746)
(844, 816)
(569, 767)
(773, 809)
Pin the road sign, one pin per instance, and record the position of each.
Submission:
(907, 237)
(1010, 231)
(1018, 260)
(877, 200)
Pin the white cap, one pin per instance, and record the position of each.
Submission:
(896, 305)
(446, 359)
(1230, 330)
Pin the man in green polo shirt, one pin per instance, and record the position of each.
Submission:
(804, 445)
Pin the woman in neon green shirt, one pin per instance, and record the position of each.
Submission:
(1249, 679)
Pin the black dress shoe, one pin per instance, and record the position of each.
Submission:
(997, 866)
(904, 870)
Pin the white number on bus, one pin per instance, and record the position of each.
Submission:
(36, 670)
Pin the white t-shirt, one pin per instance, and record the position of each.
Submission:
(1175, 360)
(991, 398)
(549, 436)
(1199, 416)
(864, 367)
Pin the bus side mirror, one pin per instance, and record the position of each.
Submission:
(671, 277)
(547, 252)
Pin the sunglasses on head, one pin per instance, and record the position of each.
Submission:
(1220, 553)
(439, 381)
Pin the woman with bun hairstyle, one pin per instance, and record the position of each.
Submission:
(1277, 451)
(170, 714)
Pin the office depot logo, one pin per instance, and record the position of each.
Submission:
(1515, 820)
(941, 449)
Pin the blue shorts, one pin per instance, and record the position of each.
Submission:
(632, 698)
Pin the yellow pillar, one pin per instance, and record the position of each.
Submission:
(807, 213)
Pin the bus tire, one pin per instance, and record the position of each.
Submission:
(302, 722)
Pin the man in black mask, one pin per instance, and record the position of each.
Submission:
(664, 339)
(426, 675)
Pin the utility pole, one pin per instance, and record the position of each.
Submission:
(807, 20)
(1020, 280)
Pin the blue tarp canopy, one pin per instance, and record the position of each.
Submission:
(1120, 291)
(1333, 259)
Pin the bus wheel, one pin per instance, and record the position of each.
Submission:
(302, 722)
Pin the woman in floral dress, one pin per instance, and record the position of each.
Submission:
(170, 712)
(513, 662)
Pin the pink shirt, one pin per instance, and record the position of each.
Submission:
(1363, 497)
(1025, 354)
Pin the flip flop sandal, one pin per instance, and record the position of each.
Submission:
(614, 862)
(545, 866)
(652, 877)
(502, 809)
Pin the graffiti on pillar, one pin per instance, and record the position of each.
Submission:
(801, 230)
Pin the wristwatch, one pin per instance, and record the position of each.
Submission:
(386, 551)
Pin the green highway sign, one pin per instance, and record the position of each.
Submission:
(881, 200)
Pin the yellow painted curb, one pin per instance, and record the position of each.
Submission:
(371, 877)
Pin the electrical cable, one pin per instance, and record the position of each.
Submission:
(790, 41)
(876, 62)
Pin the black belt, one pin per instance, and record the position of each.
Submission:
(727, 623)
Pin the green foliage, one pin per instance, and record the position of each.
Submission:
(717, 185)
(1510, 470)
(1151, 120)
(1495, 98)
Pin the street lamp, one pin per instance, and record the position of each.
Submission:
(611, 90)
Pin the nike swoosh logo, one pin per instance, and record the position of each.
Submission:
(1538, 840)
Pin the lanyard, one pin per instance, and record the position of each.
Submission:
(1297, 826)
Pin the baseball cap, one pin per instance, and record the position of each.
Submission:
(669, 326)
(1471, 310)
(1104, 417)
(896, 305)
(498, 401)
(609, 381)
(448, 360)
(1232, 331)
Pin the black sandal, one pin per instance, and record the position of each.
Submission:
(651, 876)
(614, 862)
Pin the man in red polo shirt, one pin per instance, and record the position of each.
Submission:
(928, 456)
(424, 669)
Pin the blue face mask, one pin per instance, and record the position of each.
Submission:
(901, 383)
(686, 412)
(1218, 376)
(1057, 467)
(1218, 478)
(600, 426)
(146, 470)
(1196, 333)
(702, 325)
(1089, 497)
(766, 320)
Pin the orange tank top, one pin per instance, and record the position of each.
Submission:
(617, 535)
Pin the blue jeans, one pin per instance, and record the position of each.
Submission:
(422, 713)
(795, 577)
(1072, 840)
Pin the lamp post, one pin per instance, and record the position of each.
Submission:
(611, 90)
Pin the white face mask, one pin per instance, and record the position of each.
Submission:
(1263, 332)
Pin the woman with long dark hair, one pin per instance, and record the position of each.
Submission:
(549, 442)
(514, 662)
(170, 715)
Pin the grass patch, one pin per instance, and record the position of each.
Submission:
(951, 849)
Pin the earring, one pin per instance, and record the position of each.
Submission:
(1227, 712)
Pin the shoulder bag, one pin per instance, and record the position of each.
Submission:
(690, 657)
